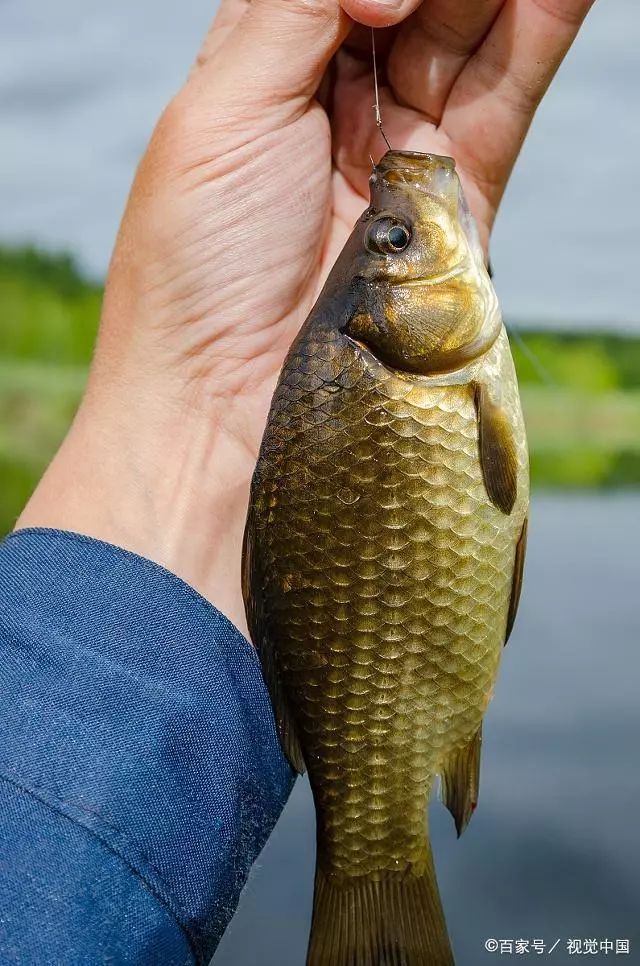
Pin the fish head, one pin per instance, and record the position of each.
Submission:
(419, 294)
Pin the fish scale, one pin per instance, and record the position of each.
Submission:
(379, 575)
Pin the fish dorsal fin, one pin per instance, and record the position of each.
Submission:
(498, 453)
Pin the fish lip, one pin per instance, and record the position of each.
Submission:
(397, 157)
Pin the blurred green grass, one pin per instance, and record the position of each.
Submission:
(48, 311)
(581, 392)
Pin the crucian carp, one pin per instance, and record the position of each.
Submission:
(383, 555)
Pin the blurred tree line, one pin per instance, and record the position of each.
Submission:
(49, 312)
(581, 391)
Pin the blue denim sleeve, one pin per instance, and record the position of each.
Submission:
(140, 771)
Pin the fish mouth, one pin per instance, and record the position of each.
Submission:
(414, 160)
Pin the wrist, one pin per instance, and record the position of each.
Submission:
(155, 476)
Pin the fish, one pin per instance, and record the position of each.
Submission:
(384, 552)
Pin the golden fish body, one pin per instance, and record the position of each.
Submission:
(383, 557)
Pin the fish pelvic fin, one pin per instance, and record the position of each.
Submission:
(460, 778)
(394, 920)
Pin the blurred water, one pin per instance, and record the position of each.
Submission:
(553, 850)
(81, 84)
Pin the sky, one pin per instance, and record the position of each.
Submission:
(82, 84)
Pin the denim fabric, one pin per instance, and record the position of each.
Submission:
(140, 771)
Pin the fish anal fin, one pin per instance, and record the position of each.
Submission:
(516, 586)
(498, 453)
(460, 778)
(252, 595)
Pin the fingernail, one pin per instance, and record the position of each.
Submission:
(376, 13)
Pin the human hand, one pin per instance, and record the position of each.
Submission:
(246, 194)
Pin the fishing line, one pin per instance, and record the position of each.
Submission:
(541, 371)
(375, 87)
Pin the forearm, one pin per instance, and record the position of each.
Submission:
(140, 772)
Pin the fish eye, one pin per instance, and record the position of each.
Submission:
(387, 237)
(398, 237)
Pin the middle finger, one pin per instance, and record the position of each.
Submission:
(433, 46)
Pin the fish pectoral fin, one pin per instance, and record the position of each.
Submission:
(251, 592)
(498, 453)
(516, 586)
(460, 778)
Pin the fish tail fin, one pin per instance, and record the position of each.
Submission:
(392, 921)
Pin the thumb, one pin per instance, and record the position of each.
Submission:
(277, 50)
